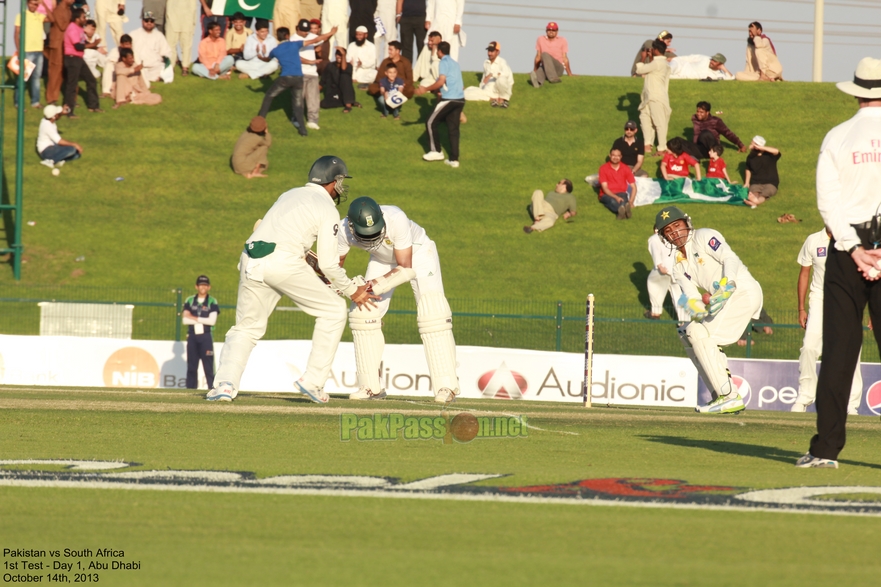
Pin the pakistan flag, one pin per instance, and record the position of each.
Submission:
(250, 8)
(685, 189)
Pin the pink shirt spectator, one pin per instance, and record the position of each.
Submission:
(46, 6)
(73, 35)
(212, 51)
(556, 48)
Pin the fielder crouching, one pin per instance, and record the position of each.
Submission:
(718, 318)
(400, 251)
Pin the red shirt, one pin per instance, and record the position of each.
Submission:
(716, 168)
(678, 166)
(617, 180)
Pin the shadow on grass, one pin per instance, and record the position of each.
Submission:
(639, 278)
(771, 453)
(426, 105)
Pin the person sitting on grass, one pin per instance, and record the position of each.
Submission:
(130, 87)
(617, 186)
(213, 63)
(260, 44)
(236, 37)
(761, 172)
(676, 161)
(339, 91)
(391, 91)
(54, 150)
(716, 168)
(250, 156)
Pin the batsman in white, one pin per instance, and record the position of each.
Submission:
(813, 254)
(273, 264)
(718, 317)
(400, 251)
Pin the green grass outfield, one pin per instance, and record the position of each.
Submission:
(217, 538)
(179, 211)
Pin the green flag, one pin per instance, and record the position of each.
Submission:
(250, 8)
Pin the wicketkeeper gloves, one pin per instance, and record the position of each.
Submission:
(723, 289)
(695, 308)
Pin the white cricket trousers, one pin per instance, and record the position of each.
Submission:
(426, 264)
(658, 285)
(728, 324)
(283, 274)
(811, 349)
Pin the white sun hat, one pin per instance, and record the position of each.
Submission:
(866, 80)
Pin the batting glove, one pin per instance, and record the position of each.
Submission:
(723, 290)
(695, 308)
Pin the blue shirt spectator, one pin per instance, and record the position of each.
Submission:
(454, 88)
(288, 55)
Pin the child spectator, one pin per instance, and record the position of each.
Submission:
(95, 55)
(391, 92)
(54, 150)
(716, 168)
(676, 161)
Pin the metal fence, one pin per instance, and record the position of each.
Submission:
(539, 325)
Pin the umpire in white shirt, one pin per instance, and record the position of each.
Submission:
(849, 199)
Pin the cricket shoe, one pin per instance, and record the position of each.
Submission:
(433, 156)
(453, 164)
(724, 404)
(222, 392)
(316, 395)
(799, 407)
(809, 461)
(445, 395)
(366, 393)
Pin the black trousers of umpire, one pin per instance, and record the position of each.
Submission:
(75, 69)
(845, 295)
(295, 85)
(447, 111)
(200, 347)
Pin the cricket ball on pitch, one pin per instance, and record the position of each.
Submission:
(464, 427)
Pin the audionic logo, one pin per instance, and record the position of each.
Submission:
(131, 367)
(502, 383)
(873, 398)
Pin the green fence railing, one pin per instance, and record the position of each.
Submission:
(539, 325)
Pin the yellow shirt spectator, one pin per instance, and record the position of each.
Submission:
(33, 30)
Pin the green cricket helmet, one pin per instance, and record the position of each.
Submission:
(366, 221)
(668, 216)
(330, 169)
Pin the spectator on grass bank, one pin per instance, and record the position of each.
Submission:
(75, 68)
(361, 16)
(617, 186)
(180, 27)
(632, 151)
(428, 62)
(497, 82)
(545, 209)
(761, 172)
(676, 161)
(707, 129)
(761, 58)
(644, 55)
(207, 16)
(108, 76)
(322, 51)
(157, 8)
(250, 156)
(654, 105)
(152, 51)
(551, 57)
(130, 86)
(311, 10)
(405, 71)
(335, 13)
(362, 55)
(445, 17)
(385, 18)
(110, 13)
(311, 87)
(716, 168)
(411, 16)
(700, 67)
(200, 311)
(448, 108)
(339, 92)
(60, 19)
(214, 62)
(54, 150)
(257, 48)
(236, 36)
(95, 55)
(391, 89)
(32, 49)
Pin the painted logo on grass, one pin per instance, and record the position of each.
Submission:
(873, 398)
(502, 383)
(462, 427)
(614, 491)
(131, 367)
